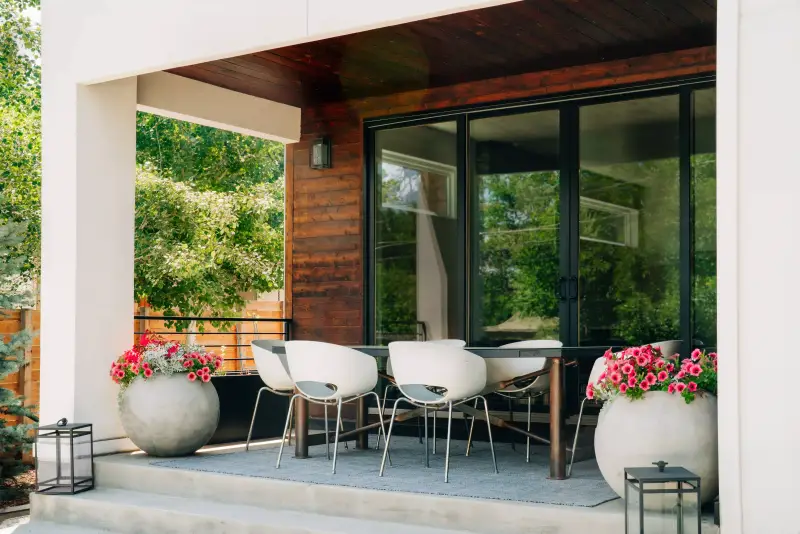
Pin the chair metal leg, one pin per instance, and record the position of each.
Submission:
(447, 446)
(327, 436)
(528, 440)
(291, 429)
(253, 420)
(283, 441)
(427, 445)
(382, 430)
(511, 420)
(389, 436)
(336, 436)
(489, 428)
(434, 431)
(471, 428)
(575, 439)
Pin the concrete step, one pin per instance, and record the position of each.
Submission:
(131, 512)
(470, 515)
(48, 527)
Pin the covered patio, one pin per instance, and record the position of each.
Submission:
(496, 173)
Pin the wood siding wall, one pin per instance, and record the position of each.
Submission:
(325, 290)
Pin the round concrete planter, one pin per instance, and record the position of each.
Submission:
(660, 426)
(169, 415)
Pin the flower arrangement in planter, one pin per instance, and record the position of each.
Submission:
(167, 405)
(154, 356)
(637, 370)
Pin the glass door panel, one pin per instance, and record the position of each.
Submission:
(629, 222)
(417, 266)
(514, 227)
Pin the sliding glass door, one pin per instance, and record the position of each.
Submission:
(589, 220)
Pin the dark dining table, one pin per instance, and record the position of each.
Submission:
(560, 358)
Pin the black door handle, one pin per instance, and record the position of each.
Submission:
(561, 288)
(573, 288)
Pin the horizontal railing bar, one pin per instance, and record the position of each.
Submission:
(183, 333)
(208, 319)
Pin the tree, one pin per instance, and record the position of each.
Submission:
(14, 439)
(198, 251)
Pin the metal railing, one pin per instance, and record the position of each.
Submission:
(222, 326)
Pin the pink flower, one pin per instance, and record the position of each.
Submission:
(148, 373)
(636, 352)
(627, 368)
(662, 376)
(218, 363)
(608, 355)
(680, 374)
(712, 355)
(205, 370)
(632, 381)
(135, 369)
(659, 363)
(613, 367)
(172, 349)
(651, 378)
(623, 388)
(187, 364)
(696, 354)
(695, 370)
(641, 360)
(202, 360)
(692, 386)
(145, 365)
(679, 387)
(590, 391)
(645, 385)
(670, 367)
(120, 373)
(206, 377)
(192, 377)
(615, 377)
(671, 388)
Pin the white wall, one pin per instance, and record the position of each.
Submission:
(758, 264)
(103, 40)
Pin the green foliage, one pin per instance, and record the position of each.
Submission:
(197, 251)
(20, 46)
(14, 439)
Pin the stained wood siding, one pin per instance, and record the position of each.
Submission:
(325, 207)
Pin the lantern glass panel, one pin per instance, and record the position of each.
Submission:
(82, 458)
(64, 459)
(632, 499)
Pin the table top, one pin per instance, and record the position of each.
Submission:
(492, 352)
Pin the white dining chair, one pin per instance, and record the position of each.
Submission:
(392, 385)
(436, 376)
(328, 374)
(274, 376)
(501, 373)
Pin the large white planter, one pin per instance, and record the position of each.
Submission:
(659, 426)
(169, 416)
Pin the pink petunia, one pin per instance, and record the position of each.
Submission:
(632, 381)
(696, 353)
(641, 360)
(623, 388)
(627, 368)
(590, 391)
(651, 378)
(145, 365)
(662, 375)
(206, 377)
(608, 355)
(601, 377)
(205, 370)
(680, 374)
(148, 373)
(120, 374)
(636, 352)
(192, 377)
(692, 386)
(671, 388)
(645, 385)
(613, 367)
(695, 370)
(670, 367)
(712, 355)
(615, 377)
(218, 363)
(658, 363)
(187, 364)
(679, 387)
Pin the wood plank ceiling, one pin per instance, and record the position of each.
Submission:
(526, 36)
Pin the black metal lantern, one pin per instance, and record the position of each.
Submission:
(661, 499)
(64, 458)
(320, 153)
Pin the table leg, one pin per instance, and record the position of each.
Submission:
(558, 449)
(362, 416)
(301, 428)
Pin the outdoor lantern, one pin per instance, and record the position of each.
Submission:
(64, 462)
(320, 153)
(661, 500)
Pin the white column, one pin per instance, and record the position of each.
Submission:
(89, 136)
(758, 264)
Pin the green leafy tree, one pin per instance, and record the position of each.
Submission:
(198, 251)
(14, 439)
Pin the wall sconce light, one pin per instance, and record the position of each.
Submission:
(320, 153)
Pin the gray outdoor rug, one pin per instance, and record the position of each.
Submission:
(471, 476)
